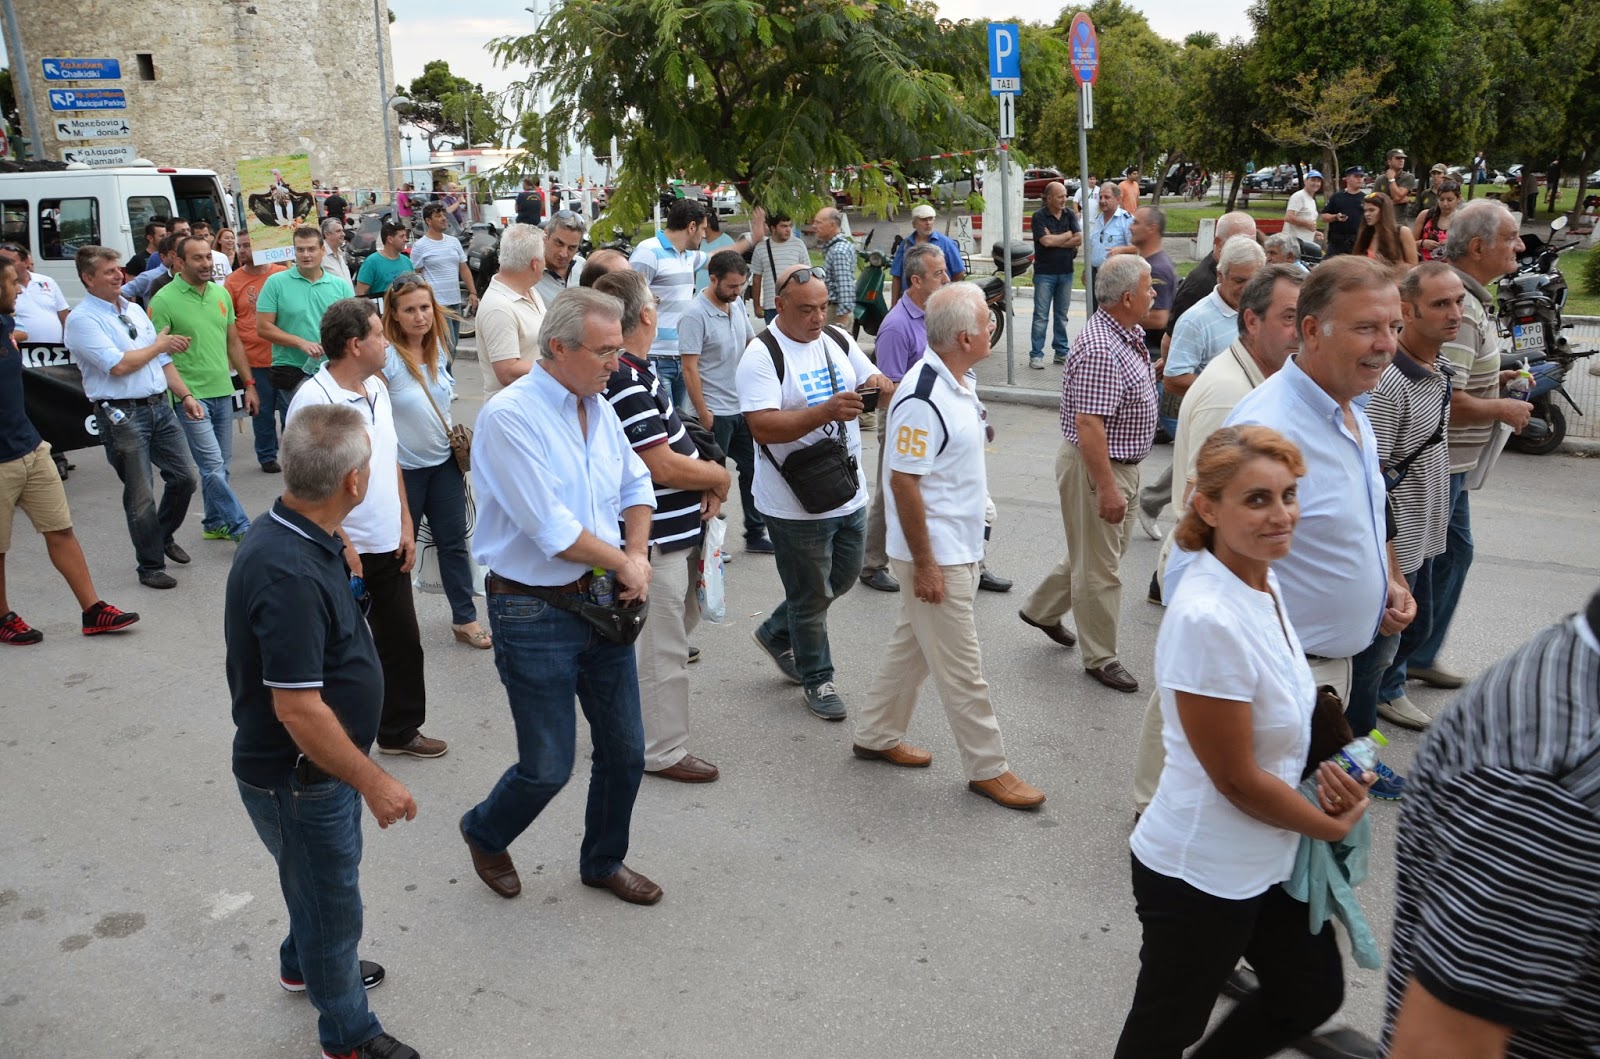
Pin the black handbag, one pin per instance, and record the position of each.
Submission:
(823, 475)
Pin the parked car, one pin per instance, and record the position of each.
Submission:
(1035, 180)
(725, 199)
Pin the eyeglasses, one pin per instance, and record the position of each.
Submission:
(133, 332)
(803, 276)
(603, 354)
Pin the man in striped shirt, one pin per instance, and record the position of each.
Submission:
(1498, 897)
(688, 491)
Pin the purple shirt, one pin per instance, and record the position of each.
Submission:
(902, 338)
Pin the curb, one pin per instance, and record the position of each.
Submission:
(1020, 395)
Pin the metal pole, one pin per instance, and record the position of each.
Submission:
(1083, 192)
(378, 14)
(1005, 244)
(24, 86)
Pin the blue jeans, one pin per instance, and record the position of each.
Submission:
(670, 371)
(150, 435)
(769, 315)
(818, 561)
(1369, 681)
(211, 444)
(1449, 575)
(733, 437)
(454, 324)
(439, 494)
(313, 832)
(545, 657)
(270, 418)
(1050, 292)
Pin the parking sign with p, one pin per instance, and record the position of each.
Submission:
(1005, 59)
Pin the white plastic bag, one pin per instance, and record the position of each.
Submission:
(709, 588)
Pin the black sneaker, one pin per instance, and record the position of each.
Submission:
(382, 1046)
(371, 977)
(103, 617)
(272, 467)
(16, 632)
(760, 545)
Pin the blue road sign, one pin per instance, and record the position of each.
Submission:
(88, 99)
(1005, 59)
(58, 69)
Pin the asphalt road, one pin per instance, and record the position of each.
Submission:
(815, 905)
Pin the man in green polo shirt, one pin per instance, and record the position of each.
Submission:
(201, 311)
(289, 311)
(387, 265)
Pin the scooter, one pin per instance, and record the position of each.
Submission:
(870, 307)
(994, 288)
(1529, 305)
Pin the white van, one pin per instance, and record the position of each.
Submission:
(54, 213)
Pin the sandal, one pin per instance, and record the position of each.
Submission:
(474, 635)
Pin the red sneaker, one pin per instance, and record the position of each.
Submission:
(103, 617)
(15, 631)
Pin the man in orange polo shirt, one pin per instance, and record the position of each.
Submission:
(244, 285)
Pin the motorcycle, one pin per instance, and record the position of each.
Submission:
(994, 288)
(870, 307)
(1529, 305)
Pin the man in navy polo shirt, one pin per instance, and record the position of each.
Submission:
(307, 693)
(1057, 237)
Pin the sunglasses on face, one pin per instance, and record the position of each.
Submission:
(803, 276)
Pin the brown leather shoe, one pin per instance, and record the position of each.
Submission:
(1113, 676)
(495, 869)
(420, 746)
(628, 885)
(1057, 632)
(903, 754)
(1009, 791)
(689, 770)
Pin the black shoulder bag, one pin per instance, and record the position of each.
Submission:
(823, 475)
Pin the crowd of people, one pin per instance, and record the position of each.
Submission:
(1324, 428)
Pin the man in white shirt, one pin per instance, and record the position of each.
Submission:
(512, 310)
(333, 259)
(561, 494)
(770, 259)
(41, 307)
(443, 263)
(797, 389)
(380, 540)
(936, 522)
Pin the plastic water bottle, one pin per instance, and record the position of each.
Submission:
(115, 415)
(1521, 384)
(1358, 756)
(603, 589)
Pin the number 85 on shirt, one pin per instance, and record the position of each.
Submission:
(909, 442)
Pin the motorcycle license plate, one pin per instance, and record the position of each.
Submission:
(1527, 338)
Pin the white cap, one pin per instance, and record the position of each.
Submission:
(922, 210)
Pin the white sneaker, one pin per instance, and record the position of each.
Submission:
(1151, 527)
(1403, 711)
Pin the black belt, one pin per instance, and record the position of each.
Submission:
(504, 586)
(1129, 463)
(1314, 659)
(136, 402)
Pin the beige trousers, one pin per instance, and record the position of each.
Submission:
(662, 654)
(1152, 756)
(877, 555)
(942, 639)
(1087, 579)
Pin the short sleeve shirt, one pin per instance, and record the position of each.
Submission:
(771, 259)
(299, 304)
(649, 418)
(374, 525)
(1222, 639)
(17, 435)
(1108, 374)
(39, 306)
(203, 315)
(671, 275)
(952, 255)
(244, 288)
(936, 431)
(719, 339)
(1475, 358)
(1406, 408)
(1054, 260)
(806, 382)
(378, 272)
(508, 328)
(439, 261)
(1164, 281)
(1206, 330)
(291, 621)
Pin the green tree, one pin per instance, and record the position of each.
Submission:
(1329, 112)
(769, 96)
(448, 108)
(1220, 110)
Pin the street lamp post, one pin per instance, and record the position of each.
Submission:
(379, 16)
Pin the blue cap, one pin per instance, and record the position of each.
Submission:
(1313, 173)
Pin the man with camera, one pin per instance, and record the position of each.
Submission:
(798, 390)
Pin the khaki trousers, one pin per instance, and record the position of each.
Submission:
(662, 654)
(877, 555)
(1087, 579)
(1152, 755)
(942, 639)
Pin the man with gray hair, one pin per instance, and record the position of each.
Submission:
(936, 541)
(512, 310)
(561, 494)
(839, 258)
(307, 690)
(563, 265)
(1108, 420)
(380, 539)
(1283, 248)
(333, 261)
(1203, 279)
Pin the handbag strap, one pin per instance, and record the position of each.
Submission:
(770, 340)
(429, 395)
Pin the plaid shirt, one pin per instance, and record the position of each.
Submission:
(839, 257)
(1109, 374)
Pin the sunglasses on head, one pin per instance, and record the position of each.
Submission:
(803, 276)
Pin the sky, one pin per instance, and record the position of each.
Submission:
(417, 39)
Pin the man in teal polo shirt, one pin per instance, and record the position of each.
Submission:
(390, 262)
(289, 311)
(201, 311)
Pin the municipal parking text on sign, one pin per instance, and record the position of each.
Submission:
(88, 99)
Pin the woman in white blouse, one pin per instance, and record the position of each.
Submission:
(420, 389)
(1300, 216)
(1219, 839)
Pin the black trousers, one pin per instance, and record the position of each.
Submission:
(393, 619)
(1192, 941)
